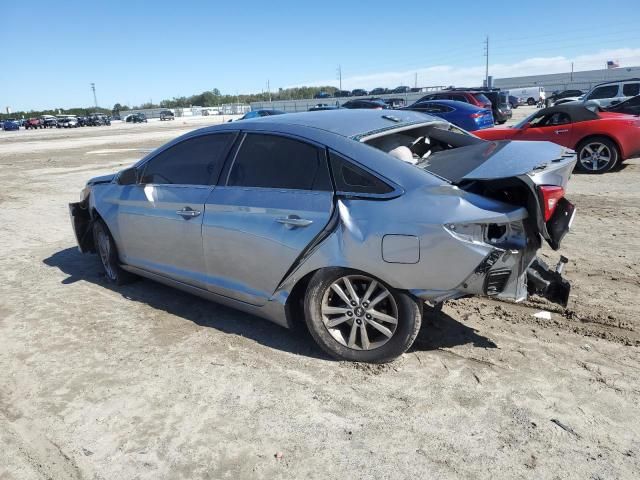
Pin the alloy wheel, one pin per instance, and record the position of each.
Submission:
(359, 312)
(104, 249)
(595, 156)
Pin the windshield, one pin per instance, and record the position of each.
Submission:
(523, 122)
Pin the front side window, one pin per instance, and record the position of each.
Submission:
(351, 178)
(631, 89)
(606, 91)
(271, 161)
(553, 119)
(195, 161)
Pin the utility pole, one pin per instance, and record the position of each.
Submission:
(269, 91)
(572, 71)
(340, 75)
(415, 80)
(95, 99)
(486, 69)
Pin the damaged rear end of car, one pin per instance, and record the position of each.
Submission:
(530, 176)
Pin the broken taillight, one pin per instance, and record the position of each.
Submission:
(550, 196)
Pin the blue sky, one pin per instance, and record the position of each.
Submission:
(138, 51)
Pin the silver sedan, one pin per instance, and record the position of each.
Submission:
(348, 220)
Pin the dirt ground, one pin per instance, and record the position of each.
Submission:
(146, 382)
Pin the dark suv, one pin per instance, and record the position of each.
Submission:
(473, 97)
(167, 115)
(500, 106)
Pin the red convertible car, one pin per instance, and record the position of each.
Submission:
(601, 139)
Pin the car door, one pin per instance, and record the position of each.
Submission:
(159, 220)
(276, 198)
(553, 127)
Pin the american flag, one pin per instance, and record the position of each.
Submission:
(612, 64)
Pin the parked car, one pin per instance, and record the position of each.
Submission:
(401, 89)
(395, 102)
(611, 93)
(561, 95)
(322, 95)
(33, 123)
(379, 91)
(500, 106)
(372, 103)
(317, 218)
(601, 139)
(359, 92)
(49, 121)
(97, 120)
(67, 121)
(630, 107)
(167, 115)
(82, 121)
(10, 124)
(136, 118)
(323, 106)
(515, 102)
(532, 95)
(261, 113)
(472, 97)
(342, 93)
(463, 115)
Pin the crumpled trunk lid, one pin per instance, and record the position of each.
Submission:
(512, 171)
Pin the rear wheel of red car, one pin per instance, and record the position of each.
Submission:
(108, 253)
(355, 317)
(597, 155)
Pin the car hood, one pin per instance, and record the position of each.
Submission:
(102, 179)
(494, 160)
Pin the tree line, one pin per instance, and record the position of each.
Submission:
(209, 98)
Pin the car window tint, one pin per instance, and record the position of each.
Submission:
(631, 89)
(557, 118)
(195, 161)
(351, 178)
(271, 161)
(606, 91)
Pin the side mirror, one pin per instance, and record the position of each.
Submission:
(525, 126)
(128, 176)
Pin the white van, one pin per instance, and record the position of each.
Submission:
(532, 95)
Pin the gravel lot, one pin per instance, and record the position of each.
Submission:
(146, 382)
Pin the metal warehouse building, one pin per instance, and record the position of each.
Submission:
(570, 80)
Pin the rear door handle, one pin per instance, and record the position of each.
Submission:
(557, 132)
(188, 212)
(293, 221)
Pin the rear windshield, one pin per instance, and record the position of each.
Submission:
(481, 97)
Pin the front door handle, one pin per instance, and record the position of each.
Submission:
(293, 221)
(558, 132)
(188, 212)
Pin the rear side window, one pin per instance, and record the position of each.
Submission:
(271, 161)
(351, 178)
(482, 98)
(631, 89)
(606, 91)
(195, 161)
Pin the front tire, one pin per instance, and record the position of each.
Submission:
(108, 253)
(597, 155)
(355, 317)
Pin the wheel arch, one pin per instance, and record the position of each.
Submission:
(602, 135)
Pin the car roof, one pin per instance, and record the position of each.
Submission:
(451, 103)
(617, 81)
(577, 113)
(348, 123)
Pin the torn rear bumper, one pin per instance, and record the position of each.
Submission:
(548, 283)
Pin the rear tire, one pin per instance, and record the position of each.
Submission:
(376, 325)
(108, 253)
(531, 101)
(597, 155)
